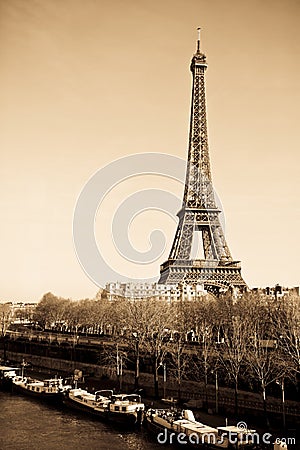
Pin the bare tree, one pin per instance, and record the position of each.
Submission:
(287, 330)
(51, 311)
(97, 315)
(235, 329)
(5, 321)
(178, 355)
(205, 360)
(156, 343)
(114, 359)
(263, 358)
(134, 323)
(142, 325)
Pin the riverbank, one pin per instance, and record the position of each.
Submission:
(96, 378)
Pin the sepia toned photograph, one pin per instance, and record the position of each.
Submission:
(150, 291)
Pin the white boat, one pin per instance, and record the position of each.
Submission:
(127, 409)
(51, 389)
(96, 404)
(180, 427)
(122, 408)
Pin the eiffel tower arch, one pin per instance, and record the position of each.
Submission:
(199, 213)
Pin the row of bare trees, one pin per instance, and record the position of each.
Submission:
(255, 337)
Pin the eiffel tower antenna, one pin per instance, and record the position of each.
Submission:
(199, 212)
(198, 41)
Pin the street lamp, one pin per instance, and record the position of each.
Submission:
(73, 350)
(216, 389)
(137, 365)
(217, 392)
(164, 366)
(283, 400)
(165, 378)
(283, 403)
(119, 368)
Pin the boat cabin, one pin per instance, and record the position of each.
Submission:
(126, 403)
(8, 372)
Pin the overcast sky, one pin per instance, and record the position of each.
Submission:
(84, 82)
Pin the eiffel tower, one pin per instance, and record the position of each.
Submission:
(199, 213)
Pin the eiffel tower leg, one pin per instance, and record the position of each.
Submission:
(208, 244)
(223, 251)
(183, 244)
(176, 242)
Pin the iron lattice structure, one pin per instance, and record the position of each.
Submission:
(199, 211)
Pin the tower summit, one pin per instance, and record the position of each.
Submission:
(199, 212)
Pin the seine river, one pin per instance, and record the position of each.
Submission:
(27, 424)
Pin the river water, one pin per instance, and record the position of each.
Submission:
(27, 424)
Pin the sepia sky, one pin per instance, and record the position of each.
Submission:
(85, 82)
